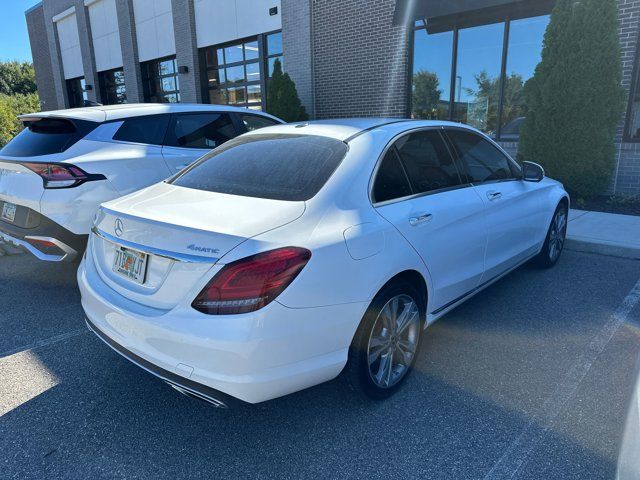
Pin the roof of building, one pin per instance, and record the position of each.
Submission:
(116, 112)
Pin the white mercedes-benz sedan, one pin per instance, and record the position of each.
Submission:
(56, 172)
(296, 252)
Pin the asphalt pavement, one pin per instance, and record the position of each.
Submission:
(530, 379)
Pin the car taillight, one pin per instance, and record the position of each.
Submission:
(59, 176)
(251, 283)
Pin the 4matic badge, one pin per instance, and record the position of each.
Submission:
(197, 248)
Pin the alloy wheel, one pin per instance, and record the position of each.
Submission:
(557, 234)
(393, 341)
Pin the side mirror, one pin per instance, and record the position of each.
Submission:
(532, 172)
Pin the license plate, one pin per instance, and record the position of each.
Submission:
(8, 212)
(130, 264)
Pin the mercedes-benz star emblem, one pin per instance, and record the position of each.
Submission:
(119, 228)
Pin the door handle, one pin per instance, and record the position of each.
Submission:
(493, 195)
(417, 220)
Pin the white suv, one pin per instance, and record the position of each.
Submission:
(64, 164)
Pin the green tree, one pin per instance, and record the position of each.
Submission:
(10, 108)
(488, 92)
(575, 99)
(282, 97)
(426, 95)
(17, 77)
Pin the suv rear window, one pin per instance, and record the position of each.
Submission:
(47, 136)
(278, 167)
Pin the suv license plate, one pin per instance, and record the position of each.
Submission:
(9, 212)
(130, 264)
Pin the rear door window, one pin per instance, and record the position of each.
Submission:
(47, 136)
(278, 167)
(391, 180)
(200, 130)
(149, 129)
(427, 161)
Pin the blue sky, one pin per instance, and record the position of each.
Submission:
(14, 40)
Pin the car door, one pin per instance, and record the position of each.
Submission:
(191, 135)
(419, 189)
(513, 208)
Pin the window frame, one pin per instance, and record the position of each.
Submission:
(392, 144)
(516, 170)
(174, 116)
(462, 24)
(148, 79)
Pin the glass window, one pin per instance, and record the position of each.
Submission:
(254, 122)
(201, 130)
(274, 44)
(233, 54)
(112, 87)
(391, 181)
(160, 81)
(432, 75)
(76, 93)
(272, 62)
(47, 136)
(483, 161)
(233, 74)
(427, 161)
(478, 73)
(148, 129)
(251, 51)
(278, 167)
(523, 55)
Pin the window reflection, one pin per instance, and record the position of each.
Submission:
(524, 54)
(432, 75)
(478, 76)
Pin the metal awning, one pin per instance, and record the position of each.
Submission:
(454, 11)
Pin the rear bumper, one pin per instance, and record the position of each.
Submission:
(68, 244)
(250, 357)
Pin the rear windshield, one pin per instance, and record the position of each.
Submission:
(278, 167)
(46, 136)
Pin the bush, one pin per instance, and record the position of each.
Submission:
(575, 98)
(10, 107)
(282, 97)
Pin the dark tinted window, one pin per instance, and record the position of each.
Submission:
(200, 130)
(427, 161)
(253, 122)
(47, 136)
(391, 181)
(279, 167)
(483, 161)
(148, 130)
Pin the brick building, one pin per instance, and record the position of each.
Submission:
(463, 60)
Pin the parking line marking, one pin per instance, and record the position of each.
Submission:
(45, 342)
(517, 454)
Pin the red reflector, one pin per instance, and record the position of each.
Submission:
(251, 283)
(45, 246)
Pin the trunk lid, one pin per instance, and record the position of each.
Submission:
(19, 185)
(183, 231)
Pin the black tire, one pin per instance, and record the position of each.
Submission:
(357, 372)
(549, 256)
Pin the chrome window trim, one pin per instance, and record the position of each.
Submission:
(158, 252)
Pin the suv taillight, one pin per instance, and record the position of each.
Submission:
(251, 283)
(55, 175)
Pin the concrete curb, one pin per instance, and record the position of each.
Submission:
(576, 245)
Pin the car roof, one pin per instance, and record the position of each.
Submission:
(347, 129)
(104, 113)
